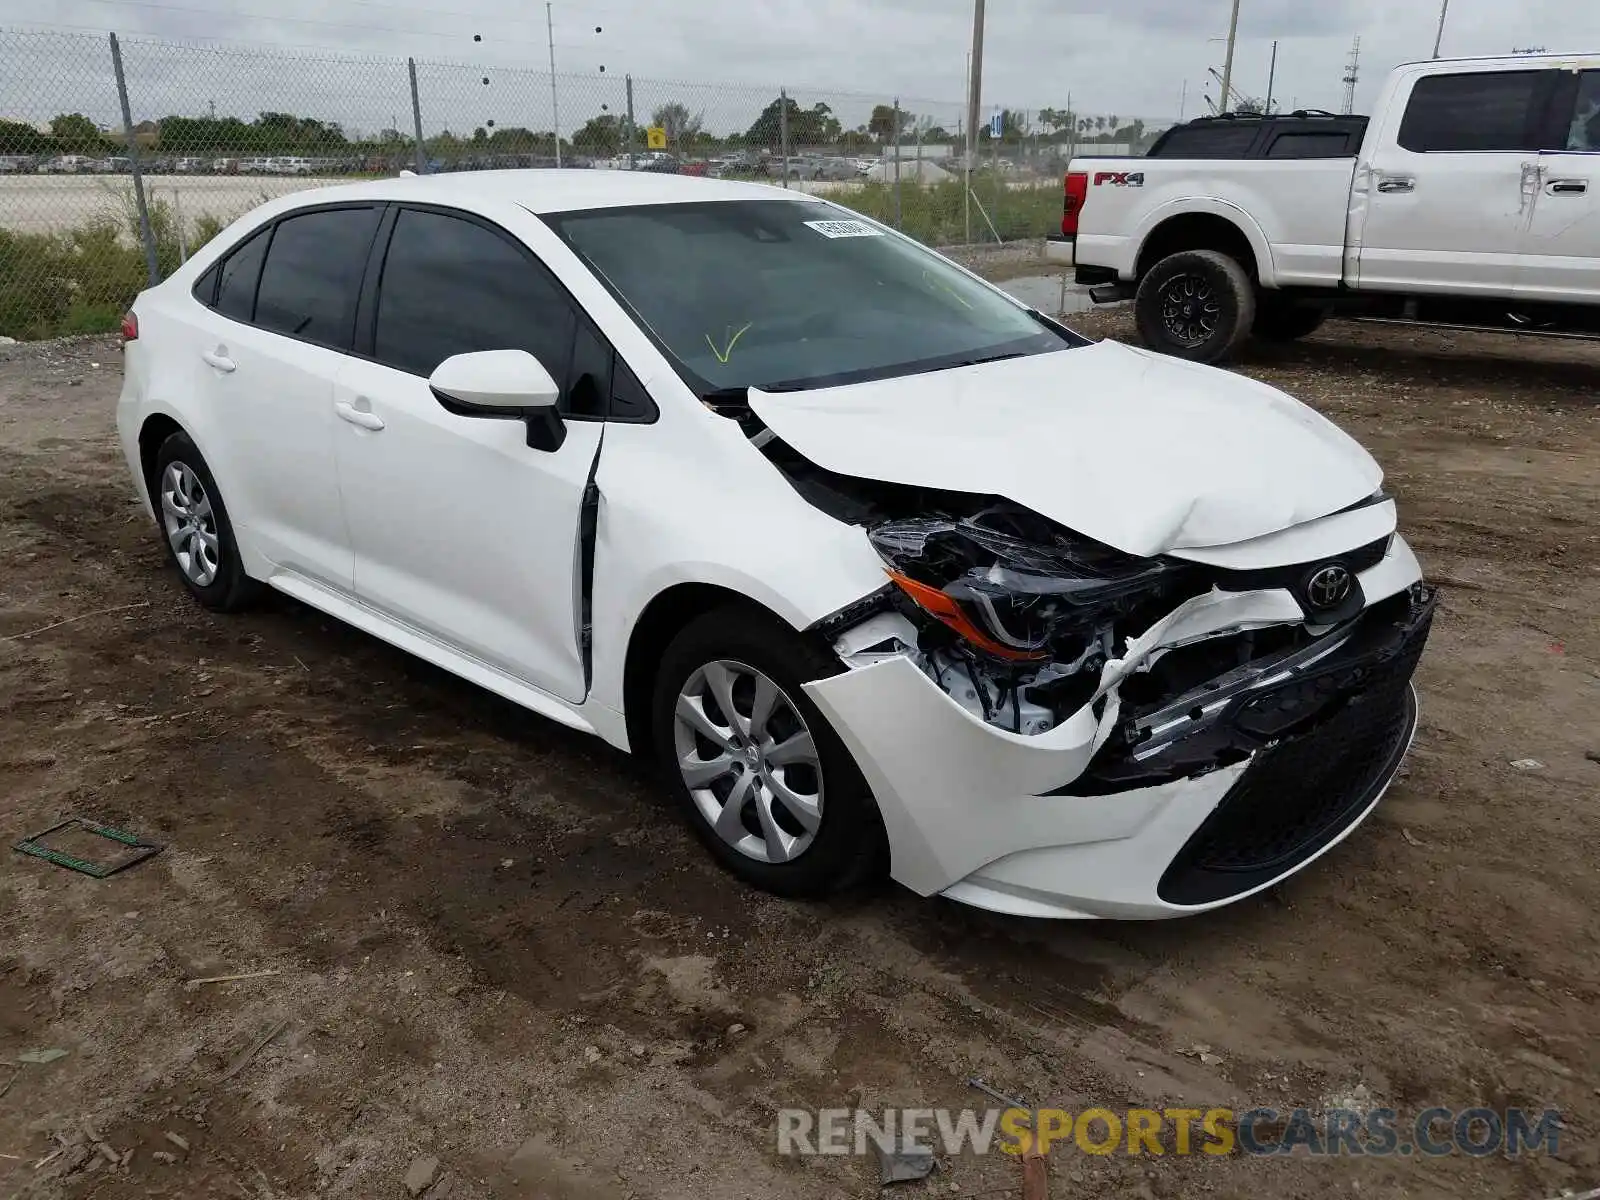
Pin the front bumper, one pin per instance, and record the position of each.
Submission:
(1020, 824)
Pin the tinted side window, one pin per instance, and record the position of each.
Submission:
(312, 275)
(205, 288)
(1324, 143)
(451, 286)
(1583, 134)
(1488, 111)
(236, 292)
(1210, 141)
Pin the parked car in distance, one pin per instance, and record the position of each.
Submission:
(66, 164)
(1469, 200)
(225, 166)
(189, 166)
(733, 479)
(292, 166)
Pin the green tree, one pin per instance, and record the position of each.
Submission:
(18, 138)
(814, 126)
(600, 136)
(76, 134)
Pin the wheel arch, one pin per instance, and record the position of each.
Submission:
(155, 430)
(667, 613)
(1208, 226)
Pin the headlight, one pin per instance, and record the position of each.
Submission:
(1015, 586)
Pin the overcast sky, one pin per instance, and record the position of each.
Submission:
(1127, 57)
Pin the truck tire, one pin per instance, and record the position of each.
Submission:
(1196, 304)
(1279, 320)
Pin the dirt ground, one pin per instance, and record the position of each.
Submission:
(492, 941)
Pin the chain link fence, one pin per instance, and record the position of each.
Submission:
(118, 159)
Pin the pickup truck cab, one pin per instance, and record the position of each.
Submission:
(1470, 199)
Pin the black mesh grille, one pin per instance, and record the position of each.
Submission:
(1299, 795)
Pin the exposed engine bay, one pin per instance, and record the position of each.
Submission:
(1016, 618)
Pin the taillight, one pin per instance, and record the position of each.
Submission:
(130, 327)
(1077, 194)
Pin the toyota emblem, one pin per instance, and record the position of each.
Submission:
(1329, 587)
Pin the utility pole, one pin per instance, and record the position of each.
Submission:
(1183, 101)
(555, 108)
(1438, 39)
(1227, 66)
(1272, 75)
(974, 84)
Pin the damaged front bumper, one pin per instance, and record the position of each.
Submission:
(1154, 806)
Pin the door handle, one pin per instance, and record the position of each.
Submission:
(357, 416)
(1568, 187)
(1395, 183)
(219, 359)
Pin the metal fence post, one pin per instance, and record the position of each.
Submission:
(416, 117)
(152, 267)
(897, 221)
(783, 131)
(629, 148)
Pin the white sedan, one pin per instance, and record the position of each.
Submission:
(886, 569)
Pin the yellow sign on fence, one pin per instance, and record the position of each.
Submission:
(655, 138)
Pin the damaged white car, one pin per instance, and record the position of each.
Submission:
(888, 570)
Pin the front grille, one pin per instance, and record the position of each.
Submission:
(1300, 794)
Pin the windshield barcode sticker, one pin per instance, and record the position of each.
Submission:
(839, 229)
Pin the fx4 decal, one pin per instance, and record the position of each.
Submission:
(1119, 178)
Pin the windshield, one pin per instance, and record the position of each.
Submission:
(787, 294)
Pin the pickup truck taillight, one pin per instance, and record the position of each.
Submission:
(1077, 193)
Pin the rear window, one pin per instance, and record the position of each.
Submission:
(1210, 141)
(241, 270)
(1320, 143)
(1478, 111)
(313, 274)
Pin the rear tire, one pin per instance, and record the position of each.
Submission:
(1197, 305)
(1281, 320)
(195, 529)
(803, 821)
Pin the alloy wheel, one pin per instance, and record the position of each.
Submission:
(1190, 309)
(749, 761)
(190, 524)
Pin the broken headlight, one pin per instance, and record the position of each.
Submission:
(1017, 587)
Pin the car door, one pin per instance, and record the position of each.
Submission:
(1561, 250)
(1444, 189)
(282, 319)
(462, 531)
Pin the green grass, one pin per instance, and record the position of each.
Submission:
(937, 213)
(83, 280)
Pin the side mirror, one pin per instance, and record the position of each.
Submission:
(506, 384)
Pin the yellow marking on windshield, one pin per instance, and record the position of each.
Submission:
(942, 286)
(725, 354)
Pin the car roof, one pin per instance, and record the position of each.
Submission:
(546, 190)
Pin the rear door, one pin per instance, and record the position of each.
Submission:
(1445, 186)
(269, 353)
(1561, 251)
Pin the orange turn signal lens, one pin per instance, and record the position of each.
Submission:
(945, 610)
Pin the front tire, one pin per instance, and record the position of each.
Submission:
(195, 529)
(1198, 305)
(767, 785)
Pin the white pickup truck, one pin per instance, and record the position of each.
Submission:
(1471, 200)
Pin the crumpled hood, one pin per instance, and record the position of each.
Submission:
(1144, 453)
